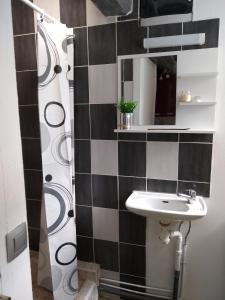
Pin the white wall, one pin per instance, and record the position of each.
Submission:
(205, 271)
(15, 276)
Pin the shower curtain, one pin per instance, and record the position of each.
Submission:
(57, 269)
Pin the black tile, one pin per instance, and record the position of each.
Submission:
(162, 186)
(103, 121)
(34, 213)
(127, 185)
(133, 280)
(31, 154)
(29, 121)
(127, 70)
(165, 30)
(82, 156)
(34, 236)
(73, 12)
(130, 37)
(134, 14)
(83, 189)
(195, 162)
(102, 44)
(106, 254)
(132, 228)
(80, 47)
(84, 220)
(132, 136)
(25, 52)
(81, 121)
(196, 137)
(27, 87)
(132, 260)
(85, 249)
(132, 159)
(104, 191)
(202, 189)
(81, 91)
(23, 18)
(33, 184)
(162, 137)
(209, 27)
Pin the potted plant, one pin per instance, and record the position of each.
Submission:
(126, 108)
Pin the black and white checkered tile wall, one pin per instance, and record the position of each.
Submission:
(109, 166)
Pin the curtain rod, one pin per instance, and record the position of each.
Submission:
(39, 10)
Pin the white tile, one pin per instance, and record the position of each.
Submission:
(128, 90)
(105, 224)
(95, 17)
(104, 157)
(103, 83)
(162, 160)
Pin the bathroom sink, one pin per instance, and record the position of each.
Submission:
(170, 207)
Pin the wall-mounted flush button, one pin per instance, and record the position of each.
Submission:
(16, 241)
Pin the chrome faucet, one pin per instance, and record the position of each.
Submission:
(190, 196)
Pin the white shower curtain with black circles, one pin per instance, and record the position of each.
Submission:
(57, 269)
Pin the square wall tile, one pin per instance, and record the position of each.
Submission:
(196, 138)
(81, 91)
(81, 121)
(106, 254)
(103, 121)
(25, 52)
(132, 228)
(85, 249)
(83, 189)
(34, 213)
(195, 162)
(162, 186)
(103, 83)
(130, 37)
(132, 136)
(128, 90)
(95, 16)
(209, 27)
(82, 156)
(162, 137)
(33, 184)
(29, 121)
(24, 24)
(27, 87)
(202, 189)
(31, 154)
(34, 237)
(162, 160)
(127, 185)
(102, 44)
(104, 157)
(73, 12)
(132, 260)
(165, 30)
(132, 159)
(105, 224)
(84, 221)
(80, 47)
(104, 191)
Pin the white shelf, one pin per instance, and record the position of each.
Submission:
(201, 103)
(157, 129)
(200, 74)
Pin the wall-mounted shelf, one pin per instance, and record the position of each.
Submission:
(201, 103)
(200, 74)
(156, 129)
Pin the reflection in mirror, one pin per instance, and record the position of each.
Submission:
(151, 82)
(155, 8)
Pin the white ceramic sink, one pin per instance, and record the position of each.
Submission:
(166, 206)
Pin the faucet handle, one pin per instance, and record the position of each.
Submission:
(192, 193)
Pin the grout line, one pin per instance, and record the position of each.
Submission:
(33, 199)
(31, 70)
(132, 244)
(24, 34)
(28, 105)
(35, 170)
(133, 275)
(85, 236)
(30, 138)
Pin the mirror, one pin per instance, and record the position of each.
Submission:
(155, 8)
(151, 83)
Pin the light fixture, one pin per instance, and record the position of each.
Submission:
(175, 40)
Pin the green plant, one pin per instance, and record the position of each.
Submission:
(125, 106)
